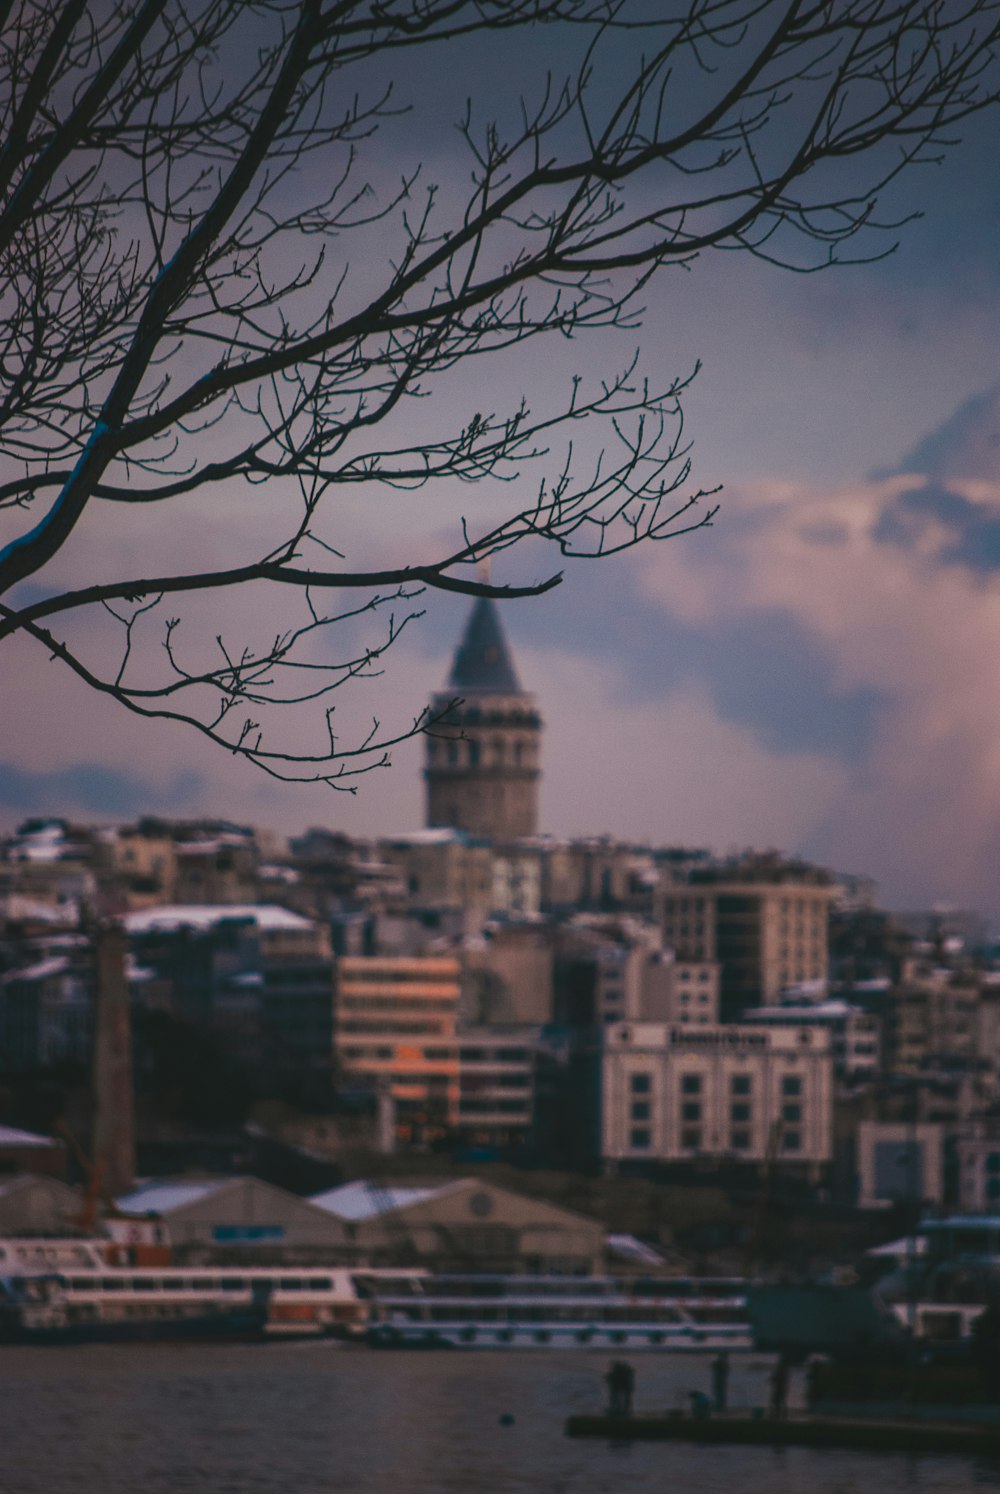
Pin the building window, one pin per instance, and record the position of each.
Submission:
(739, 1112)
(791, 1113)
(691, 1139)
(639, 1138)
(691, 1111)
(739, 1084)
(640, 1110)
(691, 1084)
(791, 1085)
(791, 1141)
(640, 1084)
(739, 1141)
(993, 1162)
(993, 1187)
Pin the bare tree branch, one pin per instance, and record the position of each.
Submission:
(226, 275)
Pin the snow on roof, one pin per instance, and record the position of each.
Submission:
(903, 1249)
(365, 1200)
(162, 1197)
(434, 835)
(815, 1011)
(41, 969)
(11, 1136)
(202, 916)
(629, 1248)
(16, 907)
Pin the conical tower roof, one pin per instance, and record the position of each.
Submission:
(482, 663)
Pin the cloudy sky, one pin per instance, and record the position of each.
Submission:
(816, 672)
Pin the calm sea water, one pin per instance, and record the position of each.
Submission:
(322, 1419)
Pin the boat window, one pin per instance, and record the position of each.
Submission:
(290, 1284)
(140, 1284)
(82, 1283)
(172, 1284)
(233, 1284)
(111, 1284)
(320, 1284)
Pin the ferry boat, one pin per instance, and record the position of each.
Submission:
(60, 1291)
(561, 1312)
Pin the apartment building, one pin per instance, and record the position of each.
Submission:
(496, 1083)
(674, 1093)
(395, 1025)
(765, 921)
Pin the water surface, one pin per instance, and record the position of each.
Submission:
(326, 1419)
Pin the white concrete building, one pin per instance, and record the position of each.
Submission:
(900, 1162)
(674, 1093)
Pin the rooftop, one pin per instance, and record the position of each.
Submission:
(161, 1197)
(203, 916)
(11, 1136)
(365, 1200)
(482, 663)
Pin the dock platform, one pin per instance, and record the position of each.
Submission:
(795, 1431)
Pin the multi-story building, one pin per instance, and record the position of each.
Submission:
(496, 1084)
(762, 919)
(675, 1093)
(507, 975)
(978, 1155)
(855, 1034)
(396, 1020)
(902, 1162)
(482, 765)
(46, 1011)
(934, 1021)
(442, 868)
(260, 976)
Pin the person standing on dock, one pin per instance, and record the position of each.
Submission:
(620, 1380)
(720, 1380)
(779, 1389)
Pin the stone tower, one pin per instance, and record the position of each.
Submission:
(483, 761)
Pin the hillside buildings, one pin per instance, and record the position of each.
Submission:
(583, 1004)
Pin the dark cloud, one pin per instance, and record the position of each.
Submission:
(972, 530)
(765, 670)
(967, 444)
(93, 788)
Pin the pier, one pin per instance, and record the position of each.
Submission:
(796, 1431)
